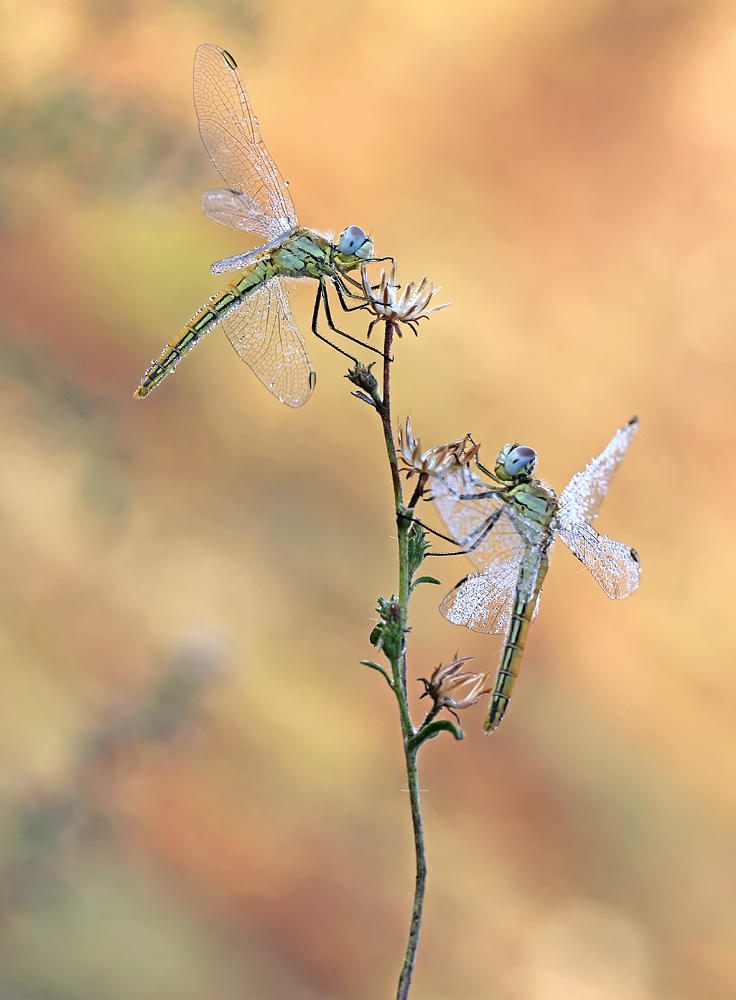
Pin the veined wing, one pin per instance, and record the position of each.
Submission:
(263, 332)
(484, 600)
(257, 198)
(242, 260)
(582, 497)
(614, 565)
(465, 503)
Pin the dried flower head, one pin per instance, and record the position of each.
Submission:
(446, 685)
(435, 461)
(411, 305)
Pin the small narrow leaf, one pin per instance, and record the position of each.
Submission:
(433, 729)
(365, 399)
(380, 669)
(425, 579)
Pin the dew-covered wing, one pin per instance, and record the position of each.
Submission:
(614, 565)
(484, 601)
(582, 497)
(256, 198)
(242, 260)
(466, 504)
(263, 332)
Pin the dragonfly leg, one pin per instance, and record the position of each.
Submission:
(484, 494)
(315, 318)
(477, 537)
(479, 464)
(342, 290)
(322, 296)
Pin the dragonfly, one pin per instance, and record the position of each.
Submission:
(507, 527)
(254, 309)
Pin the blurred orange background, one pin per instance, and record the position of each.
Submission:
(202, 791)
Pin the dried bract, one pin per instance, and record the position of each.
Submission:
(447, 684)
(389, 303)
(434, 461)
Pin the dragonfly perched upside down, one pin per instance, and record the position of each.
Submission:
(254, 309)
(507, 527)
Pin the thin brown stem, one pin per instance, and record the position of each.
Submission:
(385, 411)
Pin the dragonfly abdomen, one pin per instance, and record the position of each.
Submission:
(203, 321)
(513, 649)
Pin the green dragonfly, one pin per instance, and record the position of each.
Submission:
(507, 528)
(254, 309)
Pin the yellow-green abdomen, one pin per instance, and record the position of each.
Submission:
(513, 648)
(204, 320)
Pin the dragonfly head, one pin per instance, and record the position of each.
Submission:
(353, 247)
(515, 463)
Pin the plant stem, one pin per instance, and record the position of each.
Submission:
(385, 412)
(421, 877)
(398, 670)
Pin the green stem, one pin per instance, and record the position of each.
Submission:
(398, 670)
(415, 926)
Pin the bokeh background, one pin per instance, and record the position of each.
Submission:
(202, 791)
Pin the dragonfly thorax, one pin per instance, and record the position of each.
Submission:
(515, 463)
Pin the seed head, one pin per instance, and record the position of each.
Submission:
(447, 683)
(411, 305)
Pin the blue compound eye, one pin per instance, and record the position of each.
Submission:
(520, 459)
(351, 239)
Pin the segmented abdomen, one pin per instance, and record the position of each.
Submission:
(513, 648)
(202, 322)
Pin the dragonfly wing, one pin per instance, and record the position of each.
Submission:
(263, 332)
(260, 201)
(242, 260)
(484, 601)
(614, 565)
(465, 518)
(582, 497)
(233, 209)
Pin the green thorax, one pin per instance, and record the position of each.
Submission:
(534, 501)
(307, 254)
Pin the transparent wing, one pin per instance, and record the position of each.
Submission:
(263, 332)
(484, 601)
(583, 495)
(465, 518)
(242, 260)
(232, 209)
(614, 565)
(257, 198)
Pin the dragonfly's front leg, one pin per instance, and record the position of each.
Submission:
(479, 464)
(475, 538)
(370, 260)
(342, 290)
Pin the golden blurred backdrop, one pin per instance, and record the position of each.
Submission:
(202, 790)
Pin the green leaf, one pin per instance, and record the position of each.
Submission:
(433, 729)
(424, 579)
(418, 546)
(380, 669)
